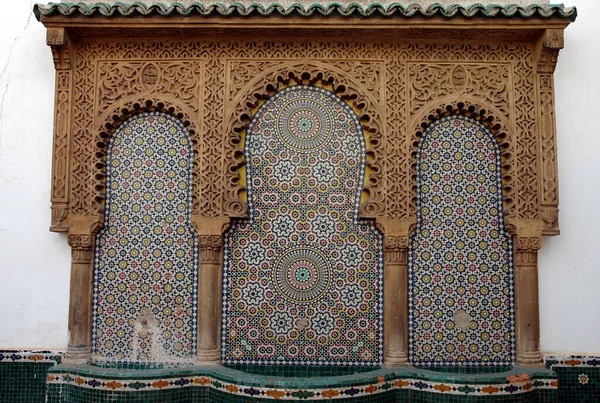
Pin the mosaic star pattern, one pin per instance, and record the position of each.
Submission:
(303, 276)
(146, 260)
(461, 302)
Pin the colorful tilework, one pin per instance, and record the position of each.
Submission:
(23, 379)
(461, 303)
(146, 257)
(303, 276)
(579, 377)
(386, 385)
(23, 375)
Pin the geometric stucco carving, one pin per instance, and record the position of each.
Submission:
(214, 85)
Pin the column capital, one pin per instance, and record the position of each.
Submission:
(82, 248)
(79, 241)
(210, 248)
(395, 249)
(528, 244)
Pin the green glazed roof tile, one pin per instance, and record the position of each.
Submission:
(120, 9)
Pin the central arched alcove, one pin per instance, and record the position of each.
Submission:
(303, 275)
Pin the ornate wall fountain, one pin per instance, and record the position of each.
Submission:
(290, 235)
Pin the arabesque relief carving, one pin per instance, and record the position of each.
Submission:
(386, 108)
(56, 38)
(549, 47)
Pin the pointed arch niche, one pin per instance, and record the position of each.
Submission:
(397, 73)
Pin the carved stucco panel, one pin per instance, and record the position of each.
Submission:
(463, 63)
(131, 85)
(430, 82)
(119, 80)
(60, 161)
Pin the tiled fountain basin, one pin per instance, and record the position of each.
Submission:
(87, 383)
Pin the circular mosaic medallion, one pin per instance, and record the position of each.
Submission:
(302, 275)
(303, 123)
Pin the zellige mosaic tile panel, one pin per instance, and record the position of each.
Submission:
(461, 299)
(303, 276)
(146, 256)
(23, 375)
(225, 385)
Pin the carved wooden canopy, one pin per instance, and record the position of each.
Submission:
(399, 67)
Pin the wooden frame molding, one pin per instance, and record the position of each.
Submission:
(399, 74)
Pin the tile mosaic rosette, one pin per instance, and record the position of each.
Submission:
(146, 256)
(461, 301)
(303, 276)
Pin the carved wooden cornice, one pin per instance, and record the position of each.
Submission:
(215, 86)
(56, 38)
(550, 44)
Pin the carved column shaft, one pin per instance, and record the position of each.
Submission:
(209, 299)
(527, 301)
(80, 300)
(395, 280)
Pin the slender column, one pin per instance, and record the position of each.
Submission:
(209, 299)
(395, 280)
(80, 301)
(527, 300)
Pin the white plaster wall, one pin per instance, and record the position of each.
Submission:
(569, 274)
(34, 282)
(34, 263)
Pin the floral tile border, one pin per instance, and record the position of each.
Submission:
(570, 361)
(119, 385)
(30, 356)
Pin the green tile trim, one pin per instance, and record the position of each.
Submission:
(23, 374)
(120, 9)
(579, 377)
